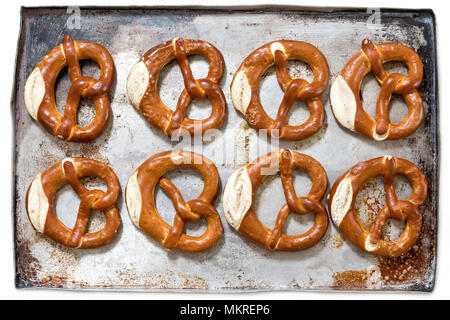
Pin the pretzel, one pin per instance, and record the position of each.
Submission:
(41, 195)
(242, 186)
(40, 90)
(344, 215)
(245, 88)
(142, 86)
(345, 92)
(140, 200)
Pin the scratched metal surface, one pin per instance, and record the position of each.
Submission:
(134, 261)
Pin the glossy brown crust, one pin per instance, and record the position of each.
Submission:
(161, 116)
(150, 173)
(259, 61)
(286, 161)
(69, 53)
(401, 210)
(60, 174)
(371, 58)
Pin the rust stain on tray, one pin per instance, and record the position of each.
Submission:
(351, 279)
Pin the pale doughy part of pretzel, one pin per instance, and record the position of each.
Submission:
(34, 92)
(377, 137)
(277, 46)
(67, 160)
(369, 245)
(137, 83)
(237, 197)
(343, 103)
(241, 92)
(37, 204)
(133, 199)
(341, 201)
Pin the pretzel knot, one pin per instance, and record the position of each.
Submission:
(245, 88)
(240, 192)
(40, 90)
(140, 200)
(142, 86)
(41, 210)
(345, 217)
(345, 92)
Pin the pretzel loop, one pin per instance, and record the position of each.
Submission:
(346, 101)
(140, 194)
(240, 192)
(245, 88)
(41, 211)
(346, 188)
(142, 86)
(40, 91)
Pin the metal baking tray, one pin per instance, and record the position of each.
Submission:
(134, 261)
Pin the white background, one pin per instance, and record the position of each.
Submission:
(10, 20)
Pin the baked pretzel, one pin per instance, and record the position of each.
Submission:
(140, 200)
(344, 216)
(41, 210)
(245, 88)
(142, 86)
(345, 92)
(242, 186)
(40, 90)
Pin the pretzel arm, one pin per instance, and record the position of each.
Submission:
(281, 69)
(391, 198)
(73, 98)
(175, 233)
(286, 179)
(295, 204)
(70, 53)
(69, 119)
(74, 181)
(377, 226)
(178, 115)
(384, 98)
(278, 229)
(80, 226)
(192, 85)
(289, 97)
(375, 60)
(177, 199)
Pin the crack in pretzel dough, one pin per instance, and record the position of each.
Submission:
(241, 92)
(343, 103)
(237, 197)
(134, 199)
(34, 92)
(342, 200)
(137, 83)
(37, 204)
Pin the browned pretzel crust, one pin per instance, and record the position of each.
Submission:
(345, 217)
(245, 88)
(142, 86)
(140, 200)
(242, 186)
(41, 194)
(345, 95)
(40, 90)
